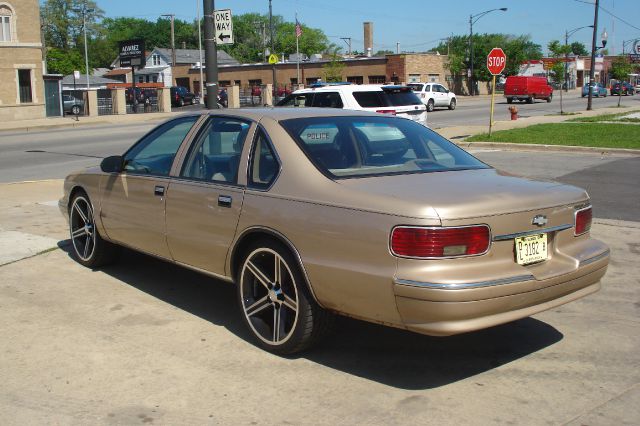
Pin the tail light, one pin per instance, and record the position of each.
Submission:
(387, 111)
(420, 242)
(583, 220)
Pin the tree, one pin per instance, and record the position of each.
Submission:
(65, 62)
(558, 69)
(579, 49)
(517, 48)
(620, 70)
(333, 69)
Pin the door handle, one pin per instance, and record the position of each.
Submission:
(224, 201)
(159, 191)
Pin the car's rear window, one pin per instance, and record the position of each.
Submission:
(359, 146)
(402, 96)
(371, 99)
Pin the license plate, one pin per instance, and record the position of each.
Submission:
(531, 249)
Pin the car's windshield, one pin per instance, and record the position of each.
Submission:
(368, 146)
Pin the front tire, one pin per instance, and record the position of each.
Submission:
(430, 105)
(89, 248)
(75, 110)
(550, 98)
(276, 305)
(452, 104)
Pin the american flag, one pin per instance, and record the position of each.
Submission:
(298, 28)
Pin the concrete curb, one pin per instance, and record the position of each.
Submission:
(539, 147)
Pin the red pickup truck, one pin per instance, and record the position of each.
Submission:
(527, 89)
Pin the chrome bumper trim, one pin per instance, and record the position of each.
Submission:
(595, 258)
(447, 286)
(534, 232)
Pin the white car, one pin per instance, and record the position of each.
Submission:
(434, 95)
(396, 100)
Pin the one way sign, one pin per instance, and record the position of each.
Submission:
(224, 26)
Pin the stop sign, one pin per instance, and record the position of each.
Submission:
(496, 61)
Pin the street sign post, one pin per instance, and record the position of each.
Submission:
(496, 61)
(223, 25)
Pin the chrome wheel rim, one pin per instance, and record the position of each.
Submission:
(82, 228)
(269, 296)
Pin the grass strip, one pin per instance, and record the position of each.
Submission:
(598, 135)
(607, 117)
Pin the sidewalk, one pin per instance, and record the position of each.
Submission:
(70, 121)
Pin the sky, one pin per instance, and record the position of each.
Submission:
(416, 25)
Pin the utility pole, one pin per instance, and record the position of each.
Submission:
(397, 47)
(84, 27)
(348, 41)
(472, 89)
(173, 40)
(201, 88)
(210, 55)
(275, 83)
(593, 56)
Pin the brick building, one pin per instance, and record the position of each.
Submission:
(21, 83)
(399, 68)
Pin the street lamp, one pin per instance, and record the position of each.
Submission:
(593, 53)
(472, 20)
(84, 12)
(568, 34)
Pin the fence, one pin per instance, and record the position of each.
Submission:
(146, 100)
(105, 102)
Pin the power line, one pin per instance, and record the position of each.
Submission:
(609, 13)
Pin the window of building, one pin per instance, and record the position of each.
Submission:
(155, 78)
(224, 83)
(155, 59)
(24, 86)
(257, 82)
(355, 79)
(5, 23)
(377, 79)
(293, 80)
(141, 79)
(312, 80)
(414, 78)
(434, 78)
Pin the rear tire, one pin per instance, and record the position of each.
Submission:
(89, 248)
(530, 100)
(550, 98)
(276, 304)
(509, 100)
(430, 105)
(181, 103)
(452, 104)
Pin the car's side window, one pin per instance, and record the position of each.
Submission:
(215, 154)
(427, 88)
(297, 100)
(327, 100)
(264, 165)
(154, 154)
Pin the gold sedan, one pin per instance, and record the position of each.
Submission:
(312, 212)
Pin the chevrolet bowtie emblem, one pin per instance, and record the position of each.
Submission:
(539, 220)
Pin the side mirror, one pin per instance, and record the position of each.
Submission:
(113, 164)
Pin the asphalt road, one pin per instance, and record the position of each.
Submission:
(475, 111)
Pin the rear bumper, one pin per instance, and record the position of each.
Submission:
(428, 309)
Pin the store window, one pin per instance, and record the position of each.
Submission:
(377, 79)
(434, 78)
(24, 86)
(414, 78)
(355, 79)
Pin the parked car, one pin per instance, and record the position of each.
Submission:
(312, 212)
(622, 88)
(180, 96)
(72, 105)
(393, 100)
(434, 95)
(523, 88)
(597, 91)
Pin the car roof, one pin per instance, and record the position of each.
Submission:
(349, 88)
(279, 114)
